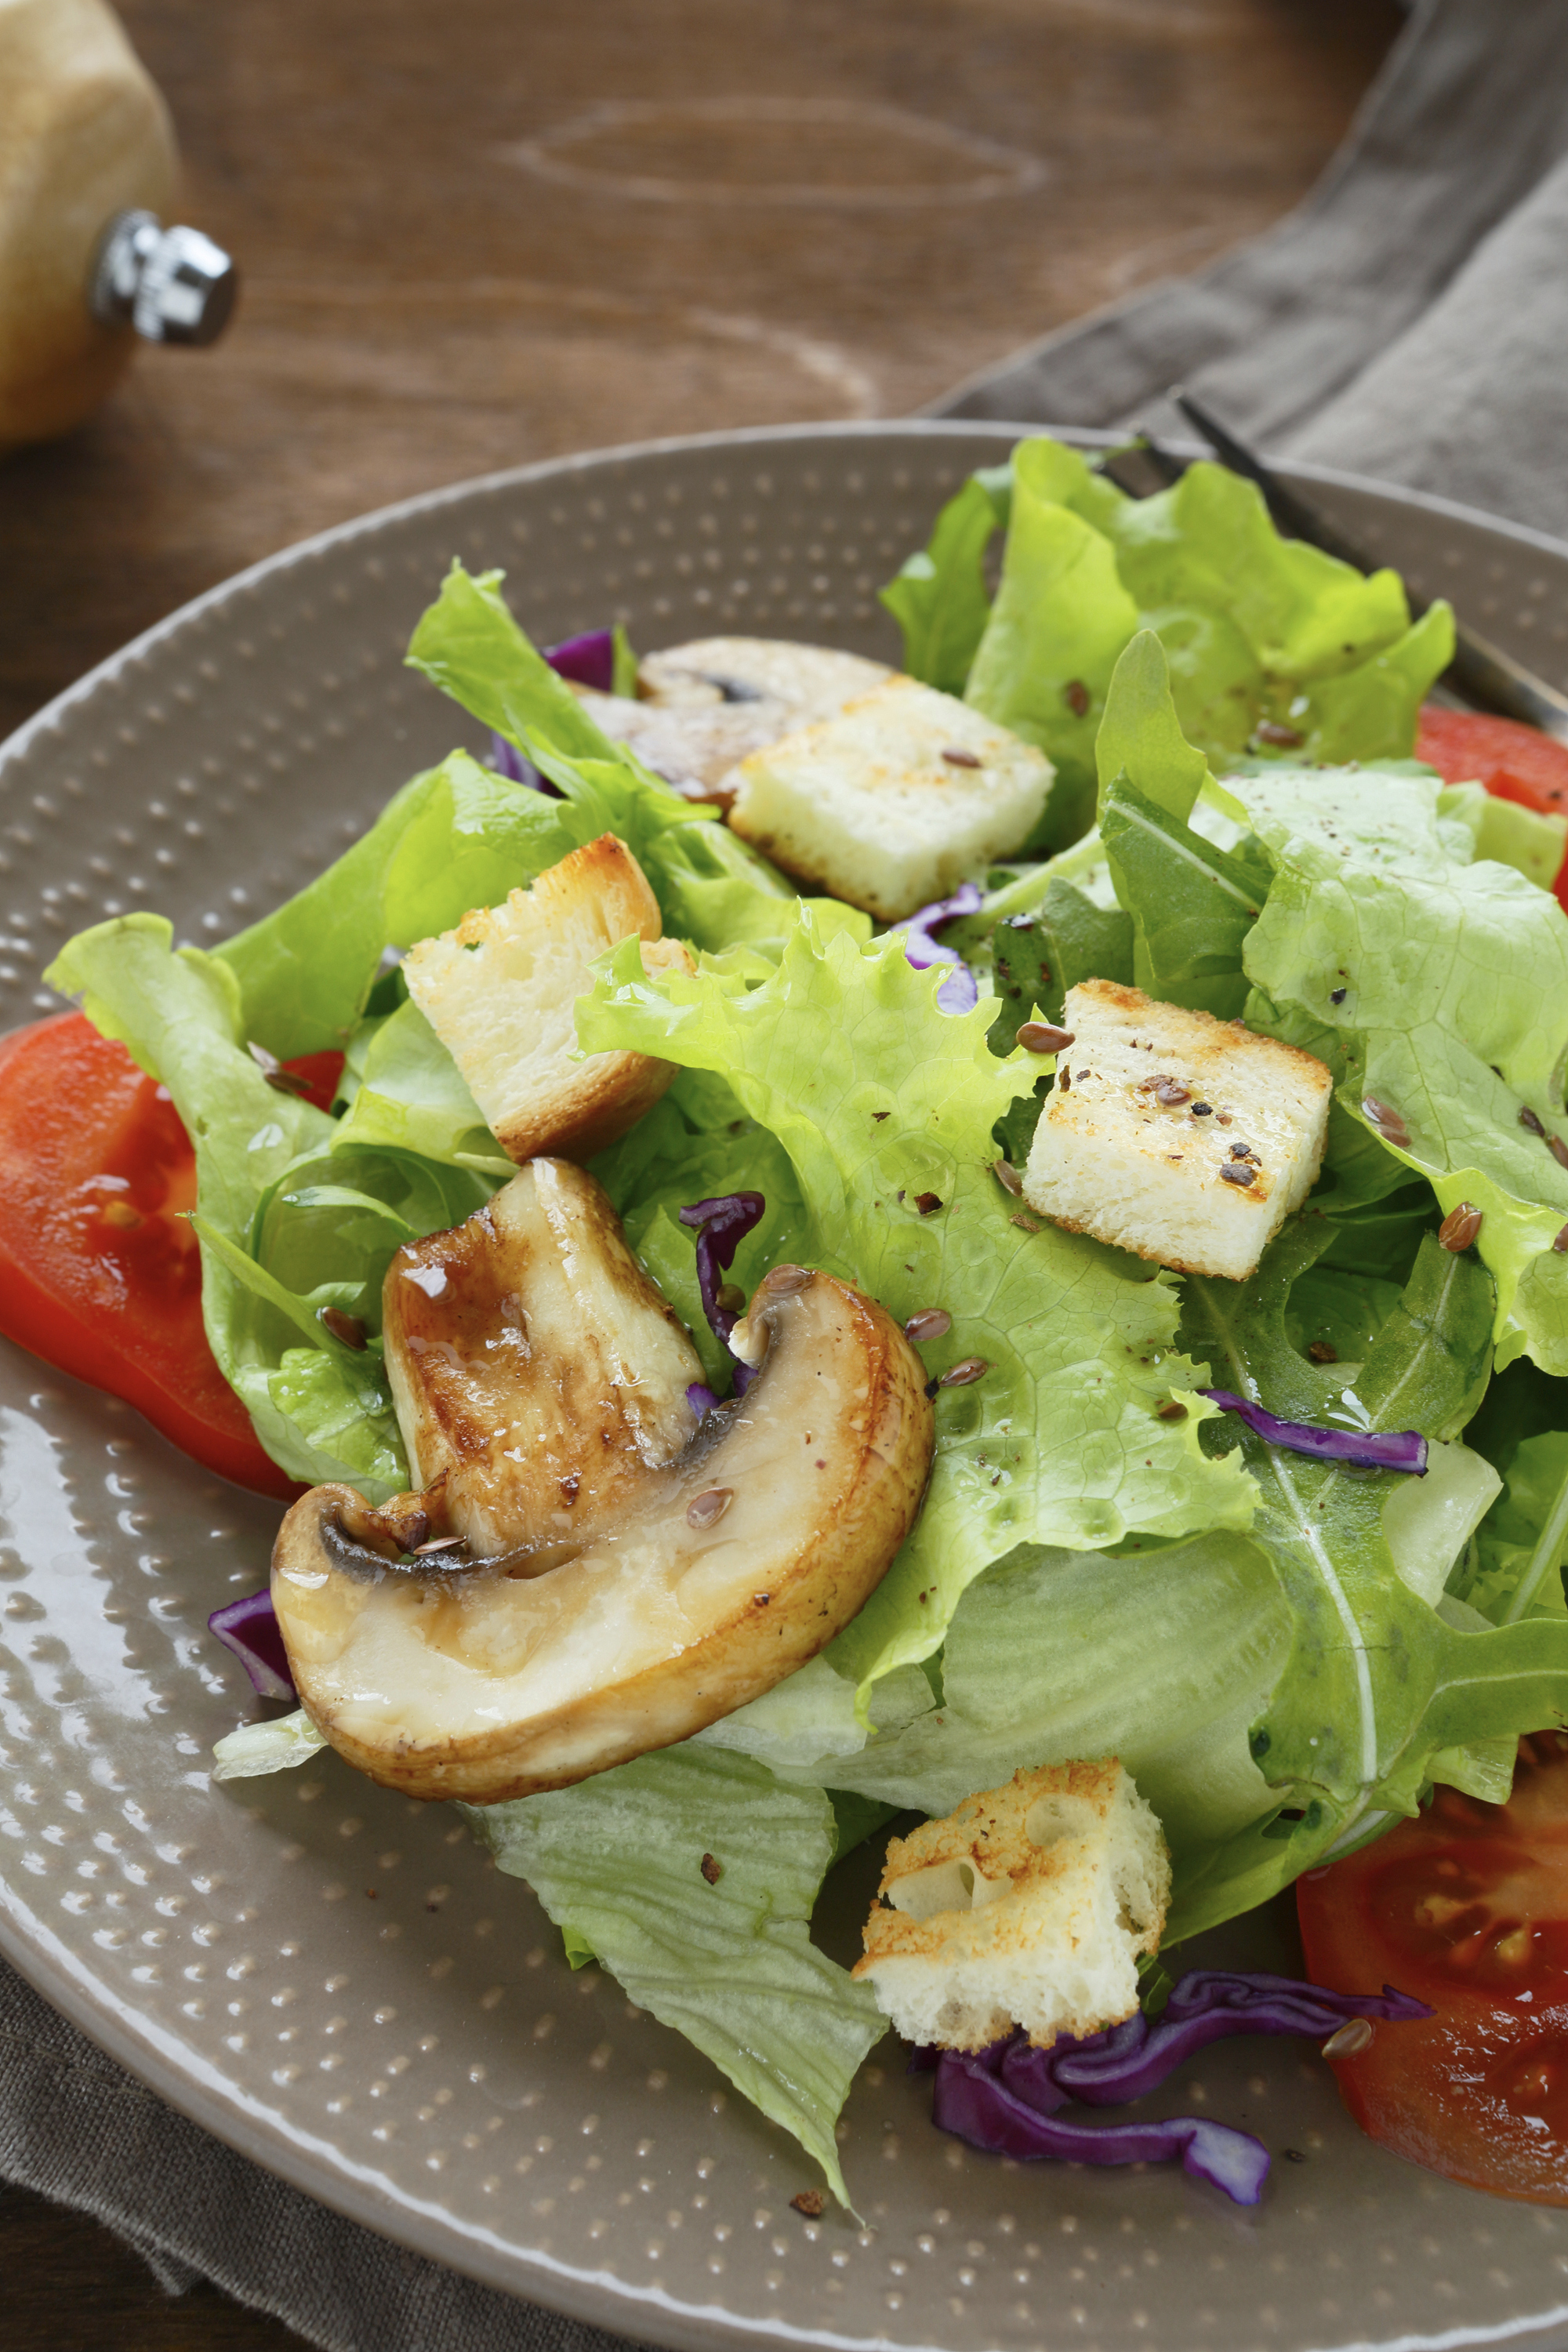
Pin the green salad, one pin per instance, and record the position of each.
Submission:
(1285, 1653)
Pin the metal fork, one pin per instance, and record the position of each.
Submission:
(1481, 676)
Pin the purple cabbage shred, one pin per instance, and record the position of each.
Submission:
(960, 992)
(700, 1398)
(1009, 2097)
(1403, 1449)
(250, 1628)
(722, 1225)
(588, 660)
(507, 760)
(980, 2098)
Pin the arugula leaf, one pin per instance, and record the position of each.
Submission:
(881, 1101)
(617, 1864)
(940, 599)
(1380, 1683)
(1522, 1542)
(1193, 906)
(1037, 957)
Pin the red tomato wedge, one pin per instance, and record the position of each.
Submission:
(1516, 762)
(99, 1273)
(1467, 1908)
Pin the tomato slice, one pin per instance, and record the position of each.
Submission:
(1516, 762)
(99, 1273)
(1466, 1908)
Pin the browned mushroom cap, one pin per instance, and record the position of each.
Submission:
(496, 1678)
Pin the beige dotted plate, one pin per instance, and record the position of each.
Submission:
(332, 1977)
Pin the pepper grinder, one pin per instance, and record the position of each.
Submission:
(88, 167)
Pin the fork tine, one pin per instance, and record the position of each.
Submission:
(1480, 673)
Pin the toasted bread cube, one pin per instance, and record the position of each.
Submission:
(1184, 1138)
(809, 681)
(499, 992)
(1029, 1905)
(892, 800)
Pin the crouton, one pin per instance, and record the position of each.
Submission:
(810, 681)
(893, 800)
(1186, 1140)
(1030, 1906)
(499, 992)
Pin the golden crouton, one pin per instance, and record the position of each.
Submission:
(1187, 1140)
(1029, 1905)
(499, 992)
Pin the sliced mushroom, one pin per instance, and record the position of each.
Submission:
(535, 1369)
(703, 1582)
(704, 706)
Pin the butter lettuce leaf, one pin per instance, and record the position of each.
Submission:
(1259, 630)
(617, 1862)
(885, 1106)
(712, 888)
(940, 598)
(1452, 981)
(287, 1225)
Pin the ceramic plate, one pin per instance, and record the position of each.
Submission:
(333, 1978)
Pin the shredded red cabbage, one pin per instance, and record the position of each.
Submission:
(700, 1398)
(1403, 1449)
(1104, 2069)
(507, 761)
(249, 1628)
(1000, 2097)
(984, 2099)
(588, 660)
(960, 992)
(722, 1225)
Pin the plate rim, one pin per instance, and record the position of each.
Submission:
(323, 2171)
(45, 720)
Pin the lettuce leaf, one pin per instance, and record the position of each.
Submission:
(1453, 985)
(881, 1102)
(1523, 1543)
(1351, 918)
(1257, 629)
(940, 599)
(1387, 1677)
(711, 887)
(287, 1224)
(1049, 1657)
(456, 837)
(617, 1864)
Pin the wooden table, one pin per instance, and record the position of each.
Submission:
(490, 231)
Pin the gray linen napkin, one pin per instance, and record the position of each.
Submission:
(1411, 321)
(76, 2128)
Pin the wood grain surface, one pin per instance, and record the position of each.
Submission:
(494, 231)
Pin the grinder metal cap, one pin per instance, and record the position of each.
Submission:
(172, 285)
